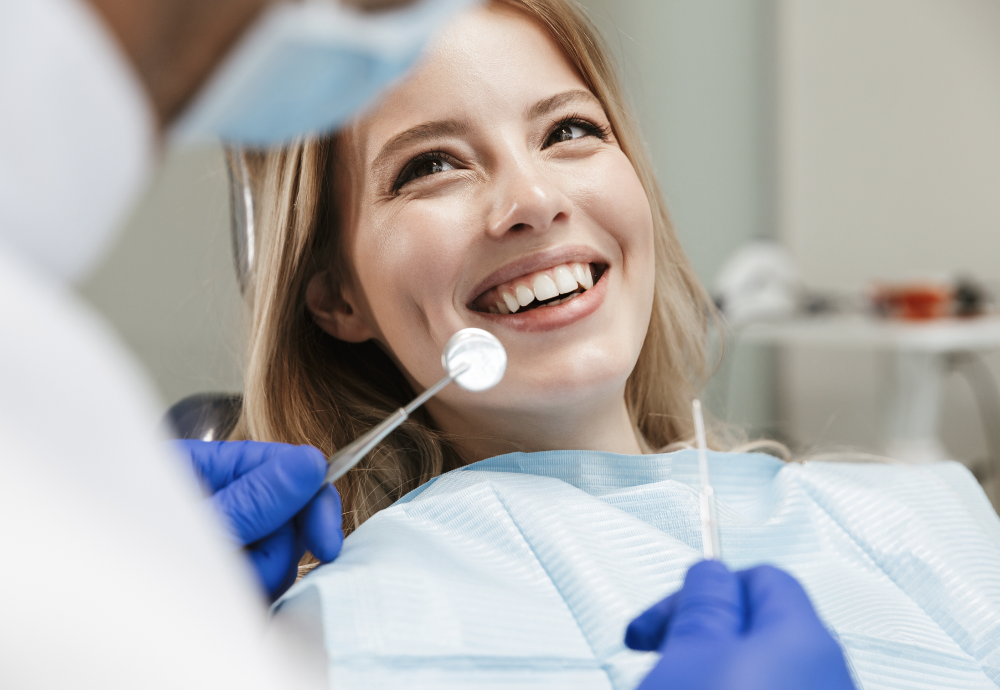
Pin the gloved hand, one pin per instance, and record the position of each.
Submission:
(750, 630)
(267, 495)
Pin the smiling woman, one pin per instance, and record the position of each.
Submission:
(504, 186)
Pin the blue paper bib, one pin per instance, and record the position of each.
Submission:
(524, 570)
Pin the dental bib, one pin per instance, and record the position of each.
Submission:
(524, 570)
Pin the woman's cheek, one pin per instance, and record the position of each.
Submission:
(419, 261)
(618, 203)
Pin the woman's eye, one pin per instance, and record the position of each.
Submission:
(568, 131)
(430, 167)
(422, 166)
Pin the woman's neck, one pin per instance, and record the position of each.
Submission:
(570, 427)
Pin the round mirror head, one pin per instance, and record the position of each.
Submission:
(483, 353)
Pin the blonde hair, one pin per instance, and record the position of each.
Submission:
(302, 386)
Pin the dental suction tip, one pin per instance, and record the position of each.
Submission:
(481, 352)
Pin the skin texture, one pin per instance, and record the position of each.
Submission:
(419, 255)
(175, 44)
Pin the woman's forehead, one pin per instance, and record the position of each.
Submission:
(491, 64)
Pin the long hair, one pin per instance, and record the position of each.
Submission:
(303, 386)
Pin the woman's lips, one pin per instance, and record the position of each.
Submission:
(538, 289)
(555, 313)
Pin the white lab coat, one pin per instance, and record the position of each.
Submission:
(114, 572)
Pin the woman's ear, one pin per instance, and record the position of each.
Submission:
(335, 311)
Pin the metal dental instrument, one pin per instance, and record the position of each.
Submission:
(709, 522)
(474, 359)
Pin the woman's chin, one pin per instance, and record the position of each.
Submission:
(552, 386)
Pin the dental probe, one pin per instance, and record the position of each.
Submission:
(709, 523)
(474, 359)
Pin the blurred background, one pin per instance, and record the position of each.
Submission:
(861, 138)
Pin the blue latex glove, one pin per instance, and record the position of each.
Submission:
(267, 495)
(750, 630)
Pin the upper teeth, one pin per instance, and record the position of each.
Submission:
(541, 286)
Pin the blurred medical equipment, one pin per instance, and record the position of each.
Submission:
(305, 67)
(926, 328)
(929, 299)
(709, 521)
(719, 631)
(474, 359)
(242, 215)
(759, 282)
(525, 569)
(918, 355)
(271, 497)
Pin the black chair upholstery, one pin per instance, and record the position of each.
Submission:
(204, 416)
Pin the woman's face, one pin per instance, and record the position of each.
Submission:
(488, 190)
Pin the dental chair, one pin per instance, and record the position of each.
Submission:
(205, 416)
(213, 416)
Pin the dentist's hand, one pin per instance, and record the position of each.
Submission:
(267, 495)
(750, 630)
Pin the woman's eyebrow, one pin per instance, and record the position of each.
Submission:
(547, 105)
(414, 135)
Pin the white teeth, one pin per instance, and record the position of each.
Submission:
(564, 280)
(524, 295)
(561, 280)
(545, 287)
(510, 301)
(582, 274)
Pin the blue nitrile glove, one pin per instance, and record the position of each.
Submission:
(750, 630)
(267, 494)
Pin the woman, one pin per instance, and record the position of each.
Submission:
(630, 391)
(503, 186)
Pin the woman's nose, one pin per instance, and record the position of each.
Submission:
(526, 201)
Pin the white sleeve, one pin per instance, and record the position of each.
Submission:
(114, 573)
(78, 136)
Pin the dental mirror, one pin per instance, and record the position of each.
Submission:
(483, 353)
(473, 358)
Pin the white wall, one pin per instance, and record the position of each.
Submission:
(169, 286)
(700, 74)
(889, 167)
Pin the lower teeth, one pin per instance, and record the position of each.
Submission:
(561, 301)
(553, 303)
